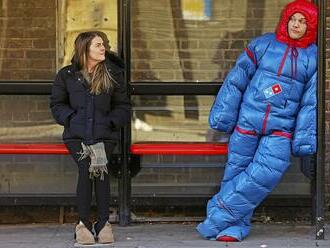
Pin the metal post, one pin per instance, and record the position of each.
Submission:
(124, 182)
(320, 183)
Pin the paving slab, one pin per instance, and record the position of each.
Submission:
(159, 235)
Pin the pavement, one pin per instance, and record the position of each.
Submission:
(161, 235)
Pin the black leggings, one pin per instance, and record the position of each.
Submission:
(85, 186)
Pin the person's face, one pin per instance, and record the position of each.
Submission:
(297, 26)
(96, 52)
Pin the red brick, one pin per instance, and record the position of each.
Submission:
(20, 116)
(40, 63)
(40, 116)
(43, 43)
(11, 53)
(17, 43)
(162, 44)
(40, 54)
(41, 74)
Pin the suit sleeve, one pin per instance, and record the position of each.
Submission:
(305, 140)
(59, 102)
(224, 112)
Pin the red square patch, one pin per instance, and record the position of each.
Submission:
(276, 88)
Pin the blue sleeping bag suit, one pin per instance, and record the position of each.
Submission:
(268, 103)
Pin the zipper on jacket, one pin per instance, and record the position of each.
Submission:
(223, 206)
(90, 121)
(93, 117)
(279, 72)
(264, 123)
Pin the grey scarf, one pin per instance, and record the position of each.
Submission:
(87, 76)
(97, 154)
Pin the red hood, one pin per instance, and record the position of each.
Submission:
(309, 10)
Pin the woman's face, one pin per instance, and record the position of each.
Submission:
(96, 52)
(297, 26)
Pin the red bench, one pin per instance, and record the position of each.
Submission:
(179, 148)
(33, 149)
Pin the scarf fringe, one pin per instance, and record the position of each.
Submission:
(97, 155)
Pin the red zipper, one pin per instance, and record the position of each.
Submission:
(279, 72)
(264, 123)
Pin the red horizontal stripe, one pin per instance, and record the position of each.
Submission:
(33, 149)
(283, 134)
(138, 148)
(244, 131)
(179, 148)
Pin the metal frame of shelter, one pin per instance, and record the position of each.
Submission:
(207, 88)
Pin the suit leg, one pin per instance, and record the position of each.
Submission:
(240, 196)
(242, 147)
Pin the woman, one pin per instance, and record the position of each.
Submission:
(267, 99)
(89, 99)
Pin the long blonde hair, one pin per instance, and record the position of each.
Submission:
(100, 80)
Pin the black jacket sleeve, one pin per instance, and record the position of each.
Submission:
(121, 106)
(59, 101)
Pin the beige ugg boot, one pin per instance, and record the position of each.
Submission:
(105, 236)
(83, 235)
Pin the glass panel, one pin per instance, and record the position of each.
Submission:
(179, 176)
(37, 174)
(195, 40)
(31, 32)
(40, 174)
(27, 39)
(173, 118)
(27, 119)
(75, 16)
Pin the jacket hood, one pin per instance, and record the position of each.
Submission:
(114, 58)
(309, 10)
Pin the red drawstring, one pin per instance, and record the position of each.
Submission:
(294, 56)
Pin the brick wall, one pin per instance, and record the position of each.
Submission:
(168, 47)
(27, 119)
(27, 39)
(27, 52)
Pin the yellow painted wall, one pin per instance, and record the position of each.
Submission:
(76, 16)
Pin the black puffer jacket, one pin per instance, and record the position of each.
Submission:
(87, 117)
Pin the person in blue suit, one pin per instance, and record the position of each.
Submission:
(268, 103)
